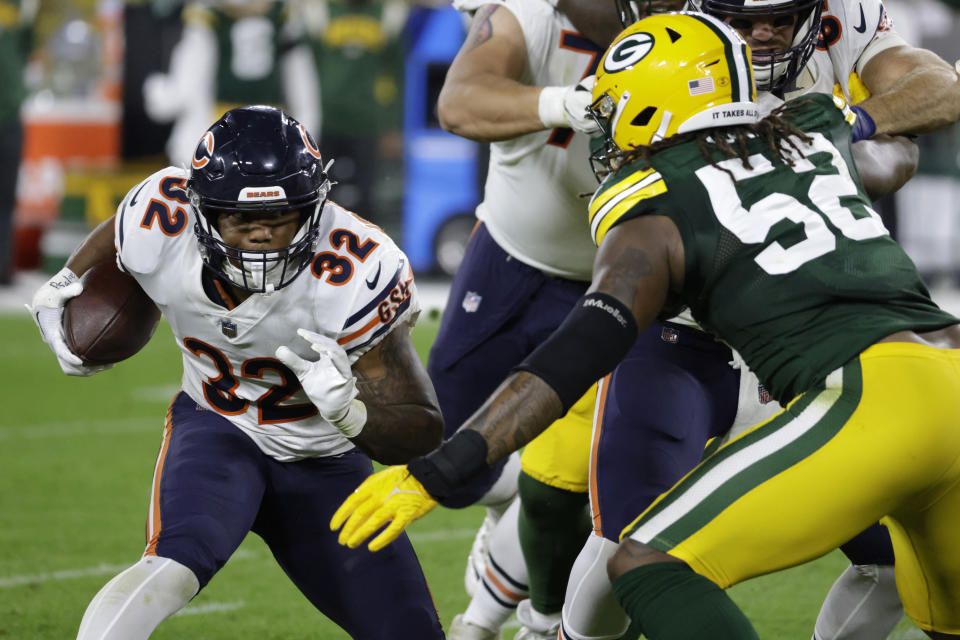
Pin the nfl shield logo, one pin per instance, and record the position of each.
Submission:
(763, 395)
(228, 328)
(670, 335)
(471, 301)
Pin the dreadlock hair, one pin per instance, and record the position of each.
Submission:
(718, 143)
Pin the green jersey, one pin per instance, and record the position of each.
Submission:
(787, 264)
(15, 44)
(249, 50)
(359, 58)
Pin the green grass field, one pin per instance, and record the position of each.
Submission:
(76, 461)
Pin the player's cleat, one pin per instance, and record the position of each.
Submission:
(535, 625)
(477, 560)
(461, 629)
(526, 633)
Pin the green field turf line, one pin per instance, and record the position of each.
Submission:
(210, 607)
(7, 582)
(84, 427)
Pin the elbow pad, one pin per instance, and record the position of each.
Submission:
(591, 342)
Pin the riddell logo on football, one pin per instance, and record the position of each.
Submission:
(262, 193)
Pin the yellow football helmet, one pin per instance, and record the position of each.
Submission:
(672, 73)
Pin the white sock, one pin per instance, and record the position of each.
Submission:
(505, 576)
(496, 500)
(503, 491)
(590, 610)
(130, 606)
(542, 623)
(863, 604)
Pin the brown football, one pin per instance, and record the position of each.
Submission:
(112, 319)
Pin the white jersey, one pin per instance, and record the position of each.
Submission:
(358, 288)
(852, 32)
(532, 204)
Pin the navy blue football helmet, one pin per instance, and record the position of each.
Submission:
(257, 158)
(776, 70)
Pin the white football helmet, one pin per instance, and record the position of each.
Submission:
(776, 70)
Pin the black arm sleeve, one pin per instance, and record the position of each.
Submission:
(593, 339)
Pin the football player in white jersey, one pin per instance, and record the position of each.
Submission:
(292, 316)
(514, 84)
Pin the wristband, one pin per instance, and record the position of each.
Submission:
(69, 277)
(864, 127)
(447, 468)
(550, 107)
(589, 344)
(353, 421)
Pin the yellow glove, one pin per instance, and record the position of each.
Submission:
(392, 495)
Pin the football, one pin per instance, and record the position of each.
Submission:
(112, 318)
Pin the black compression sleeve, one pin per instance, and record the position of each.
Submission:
(593, 339)
(447, 468)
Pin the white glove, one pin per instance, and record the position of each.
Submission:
(567, 107)
(328, 382)
(47, 311)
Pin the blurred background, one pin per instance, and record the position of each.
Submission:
(101, 93)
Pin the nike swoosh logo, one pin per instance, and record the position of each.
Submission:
(372, 282)
(123, 211)
(863, 21)
(133, 200)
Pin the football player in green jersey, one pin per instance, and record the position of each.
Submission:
(765, 231)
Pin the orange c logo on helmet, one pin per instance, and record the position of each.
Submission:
(306, 140)
(206, 143)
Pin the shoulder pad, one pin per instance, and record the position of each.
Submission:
(153, 214)
(619, 194)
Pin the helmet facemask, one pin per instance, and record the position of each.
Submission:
(258, 271)
(257, 161)
(604, 150)
(775, 71)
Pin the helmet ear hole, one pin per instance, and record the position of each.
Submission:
(643, 118)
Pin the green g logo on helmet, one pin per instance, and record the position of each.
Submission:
(669, 74)
(628, 51)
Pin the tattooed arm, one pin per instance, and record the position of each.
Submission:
(600, 21)
(639, 262)
(482, 97)
(403, 419)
